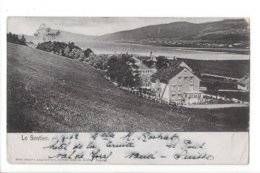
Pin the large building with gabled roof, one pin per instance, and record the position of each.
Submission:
(176, 83)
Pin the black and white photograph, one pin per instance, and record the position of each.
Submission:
(128, 90)
(127, 74)
(129, 86)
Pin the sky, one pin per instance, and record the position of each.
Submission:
(91, 25)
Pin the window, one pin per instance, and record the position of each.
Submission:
(191, 87)
(179, 79)
(191, 78)
(173, 88)
(185, 78)
(179, 87)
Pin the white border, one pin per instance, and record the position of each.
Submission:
(180, 8)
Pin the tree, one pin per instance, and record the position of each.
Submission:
(81, 56)
(77, 54)
(14, 38)
(23, 40)
(161, 62)
(120, 70)
(60, 52)
(71, 45)
(67, 51)
(72, 53)
(87, 52)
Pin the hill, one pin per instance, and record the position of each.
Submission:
(234, 30)
(51, 93)
(226, 35)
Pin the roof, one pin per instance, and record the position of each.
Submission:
(143, 66)
(175, 63)
(136, 59)
(244, 80)
(141, 58)
(165, 74)
(139, 63)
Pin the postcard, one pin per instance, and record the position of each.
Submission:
(128, 90)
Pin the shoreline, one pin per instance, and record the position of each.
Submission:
(240, 51)
(133, 48)
(226, 50)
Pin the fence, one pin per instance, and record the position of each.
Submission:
(206, 98)
(224, 99)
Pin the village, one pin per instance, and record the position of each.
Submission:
(168, 80)
(176, 83)
(154, 84)
(72, 85)
(163, 79)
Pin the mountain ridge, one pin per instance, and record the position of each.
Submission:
(225, 33)
(182, 30)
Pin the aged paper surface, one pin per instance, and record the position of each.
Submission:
(129, 148)
(179, 85)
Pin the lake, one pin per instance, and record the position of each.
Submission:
(114, 47)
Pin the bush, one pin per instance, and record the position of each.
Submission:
(14, 38)
(69, 50)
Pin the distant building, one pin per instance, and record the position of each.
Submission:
(152, 57)
(145, 73)
(244, 83)
(46, 33)
(177, 83)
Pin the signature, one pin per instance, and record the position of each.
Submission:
(101, 146)
(97, 155)
(137, 155)
(186, 155)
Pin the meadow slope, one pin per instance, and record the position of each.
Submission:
(50, 93)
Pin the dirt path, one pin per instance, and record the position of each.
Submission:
(216, 106)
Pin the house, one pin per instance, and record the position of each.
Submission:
(145, 73)
(244, 83)
(176, 84)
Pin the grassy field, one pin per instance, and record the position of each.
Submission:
(50, 93)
